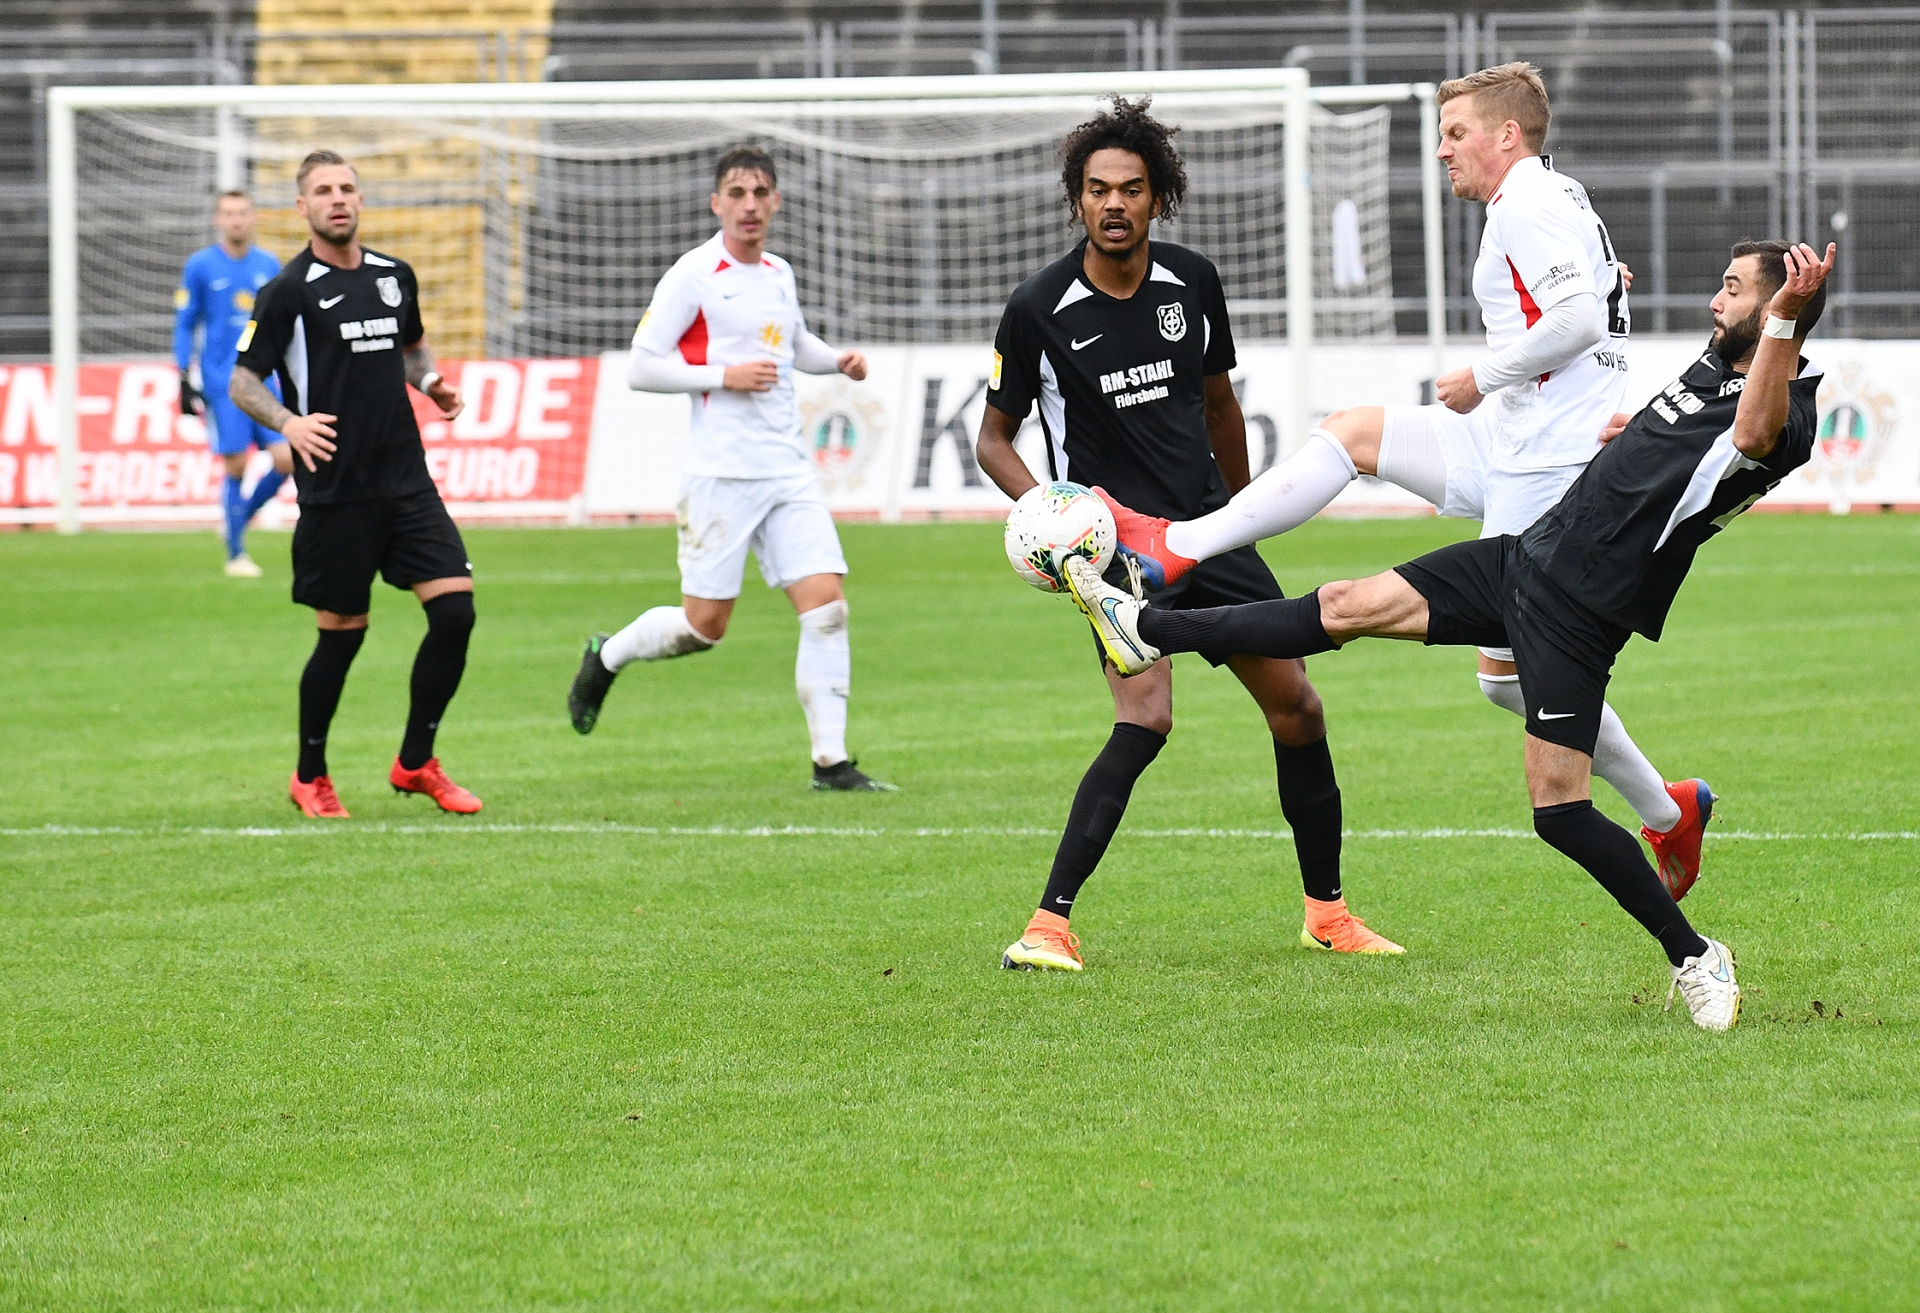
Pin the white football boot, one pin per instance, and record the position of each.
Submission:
(1707, 983)
(1114, 615)
(241, 567)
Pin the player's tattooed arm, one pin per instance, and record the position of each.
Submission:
(310, 436)
(246, 390)
(422, 375)
(996, 455)
(1227, 432)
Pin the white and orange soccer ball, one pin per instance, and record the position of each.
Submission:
(1052, 522)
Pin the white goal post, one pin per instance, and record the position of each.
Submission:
(109, 146)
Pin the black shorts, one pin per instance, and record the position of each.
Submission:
(409, 539)
(1487, 593)
(1229, 579)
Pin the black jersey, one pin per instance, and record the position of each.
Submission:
(1623, 536)
(1121, 384)
(335, 338)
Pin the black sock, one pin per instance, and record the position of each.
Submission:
(1287, 628)
(320, 685)
(1098, 806)
(1310, 800)
(437, 668)
(1613, 857)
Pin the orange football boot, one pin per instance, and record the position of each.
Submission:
(316, 798)
(1331, 928)
(1047, 945)
(1676, 853)
(433, 782)
(1143, 539)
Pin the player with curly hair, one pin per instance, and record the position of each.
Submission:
(1124, 344)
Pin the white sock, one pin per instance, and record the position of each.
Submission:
(1285, 497)
(1616, 758)
(823, 673)
(658, 634)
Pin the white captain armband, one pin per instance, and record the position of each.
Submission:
(1778, 327)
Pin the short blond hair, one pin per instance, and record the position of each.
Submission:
(1506, 91)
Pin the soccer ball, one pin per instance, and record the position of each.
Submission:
(1052, 522)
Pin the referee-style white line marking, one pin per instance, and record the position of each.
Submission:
(836, 832)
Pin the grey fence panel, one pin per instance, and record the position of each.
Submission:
(596, 52)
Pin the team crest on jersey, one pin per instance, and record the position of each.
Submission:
(389, 289)
(1173, 321)
(243, 300)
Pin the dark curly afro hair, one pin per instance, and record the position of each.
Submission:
(1127, 126)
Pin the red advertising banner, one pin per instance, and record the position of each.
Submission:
(521, 443)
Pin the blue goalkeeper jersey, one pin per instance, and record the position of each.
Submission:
(216, 294)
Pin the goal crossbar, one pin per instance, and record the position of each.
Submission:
(853, 98)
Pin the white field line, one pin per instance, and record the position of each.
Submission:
(838, 832)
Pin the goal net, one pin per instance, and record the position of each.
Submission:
(539, 218)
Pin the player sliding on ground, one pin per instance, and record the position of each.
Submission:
(341, 327)
(725, 325)
(1509, 434)
(1604, 563)
(1125, 345)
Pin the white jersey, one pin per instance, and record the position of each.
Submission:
(714, 311)
(1542, 244)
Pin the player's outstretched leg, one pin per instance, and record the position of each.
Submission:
(320, 684)
(657, 635)
(1283, 498)
(437, 668)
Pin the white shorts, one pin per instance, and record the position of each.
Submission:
(783, 522)
(1446, 457)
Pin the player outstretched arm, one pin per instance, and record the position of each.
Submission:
(1762, 413)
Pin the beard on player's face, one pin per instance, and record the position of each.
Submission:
(1735, 341)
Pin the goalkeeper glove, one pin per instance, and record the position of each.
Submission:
(191, 402)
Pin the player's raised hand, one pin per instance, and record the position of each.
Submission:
(1805, 273)
(1458, 391)
(853, 365)
(753, 376)
(311, 436)
(1614, 427)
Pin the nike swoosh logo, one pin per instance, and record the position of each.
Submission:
(1554, 715)
(333, 301)
(1077, 343)
(1324, 943)
(1720, 973)
(728, 296)
(1064, 902)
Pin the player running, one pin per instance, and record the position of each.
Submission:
(1125, 344)
(1604, 563)
(215, 298)
(1510, 433)
(341, 327)
(725, 325)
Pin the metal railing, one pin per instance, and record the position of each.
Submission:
(1691, 128)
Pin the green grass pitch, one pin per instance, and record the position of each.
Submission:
(617, 1046)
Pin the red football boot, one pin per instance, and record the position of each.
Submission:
(316, 798)
(1677, 852)
(433, 782)
(1143, 538)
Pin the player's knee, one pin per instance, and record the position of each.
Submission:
(1340, 606)
(450, 614)
(1303, 722)
(1358, 433)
